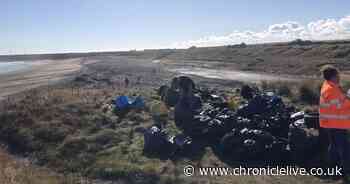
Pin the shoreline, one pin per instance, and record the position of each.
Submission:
(40, 73)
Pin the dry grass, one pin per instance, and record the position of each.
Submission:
(306, 92)
(68, 130)
(14, 171)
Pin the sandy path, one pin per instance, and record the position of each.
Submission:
(41, 73)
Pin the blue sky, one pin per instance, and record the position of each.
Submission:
(42, 26)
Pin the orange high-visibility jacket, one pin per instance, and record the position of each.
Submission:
(334, 107)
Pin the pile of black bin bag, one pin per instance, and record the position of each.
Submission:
(160, 144)
(262, 129)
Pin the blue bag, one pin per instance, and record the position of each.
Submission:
(138, 103)
(122, 102)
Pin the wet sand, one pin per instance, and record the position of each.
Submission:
(43, 72)
(234, 75)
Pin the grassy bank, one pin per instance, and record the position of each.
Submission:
(74, 130)
(17, 171)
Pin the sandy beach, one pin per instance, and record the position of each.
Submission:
(43, 72)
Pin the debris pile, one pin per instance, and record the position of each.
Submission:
(252, 144)
(263, 128)
(304, 139)
(260, 130)
(170, 95)
(159, 143)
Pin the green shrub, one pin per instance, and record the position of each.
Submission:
(345, 85)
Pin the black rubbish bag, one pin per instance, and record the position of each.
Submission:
(231, 145)
(162, 91)
(186, 146)
(277, 152)
(257, 105)
(171, 97)
(205, 94)
(312, 120)
(279, 125)
(303, 142)
(198, 127)
(253, 149)
(247, 92)
(216, 130)
(207, 128)
(296, 116)
(156, 142)
(242, 122)
(247, 144)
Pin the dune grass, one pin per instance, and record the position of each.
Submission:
(71, 130)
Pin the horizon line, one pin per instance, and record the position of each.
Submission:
(154, 49)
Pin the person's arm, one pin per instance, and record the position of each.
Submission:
(345, 101)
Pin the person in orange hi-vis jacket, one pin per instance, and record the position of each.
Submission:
(334, 116)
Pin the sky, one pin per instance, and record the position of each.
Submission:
(42, 26)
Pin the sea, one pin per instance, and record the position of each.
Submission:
(9, 67)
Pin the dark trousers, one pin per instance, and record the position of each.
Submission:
(338, 148)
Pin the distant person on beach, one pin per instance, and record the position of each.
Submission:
(126, 82)
(138, 80)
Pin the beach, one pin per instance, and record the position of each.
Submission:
(42, 72)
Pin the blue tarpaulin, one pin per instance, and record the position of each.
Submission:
(123, 102)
